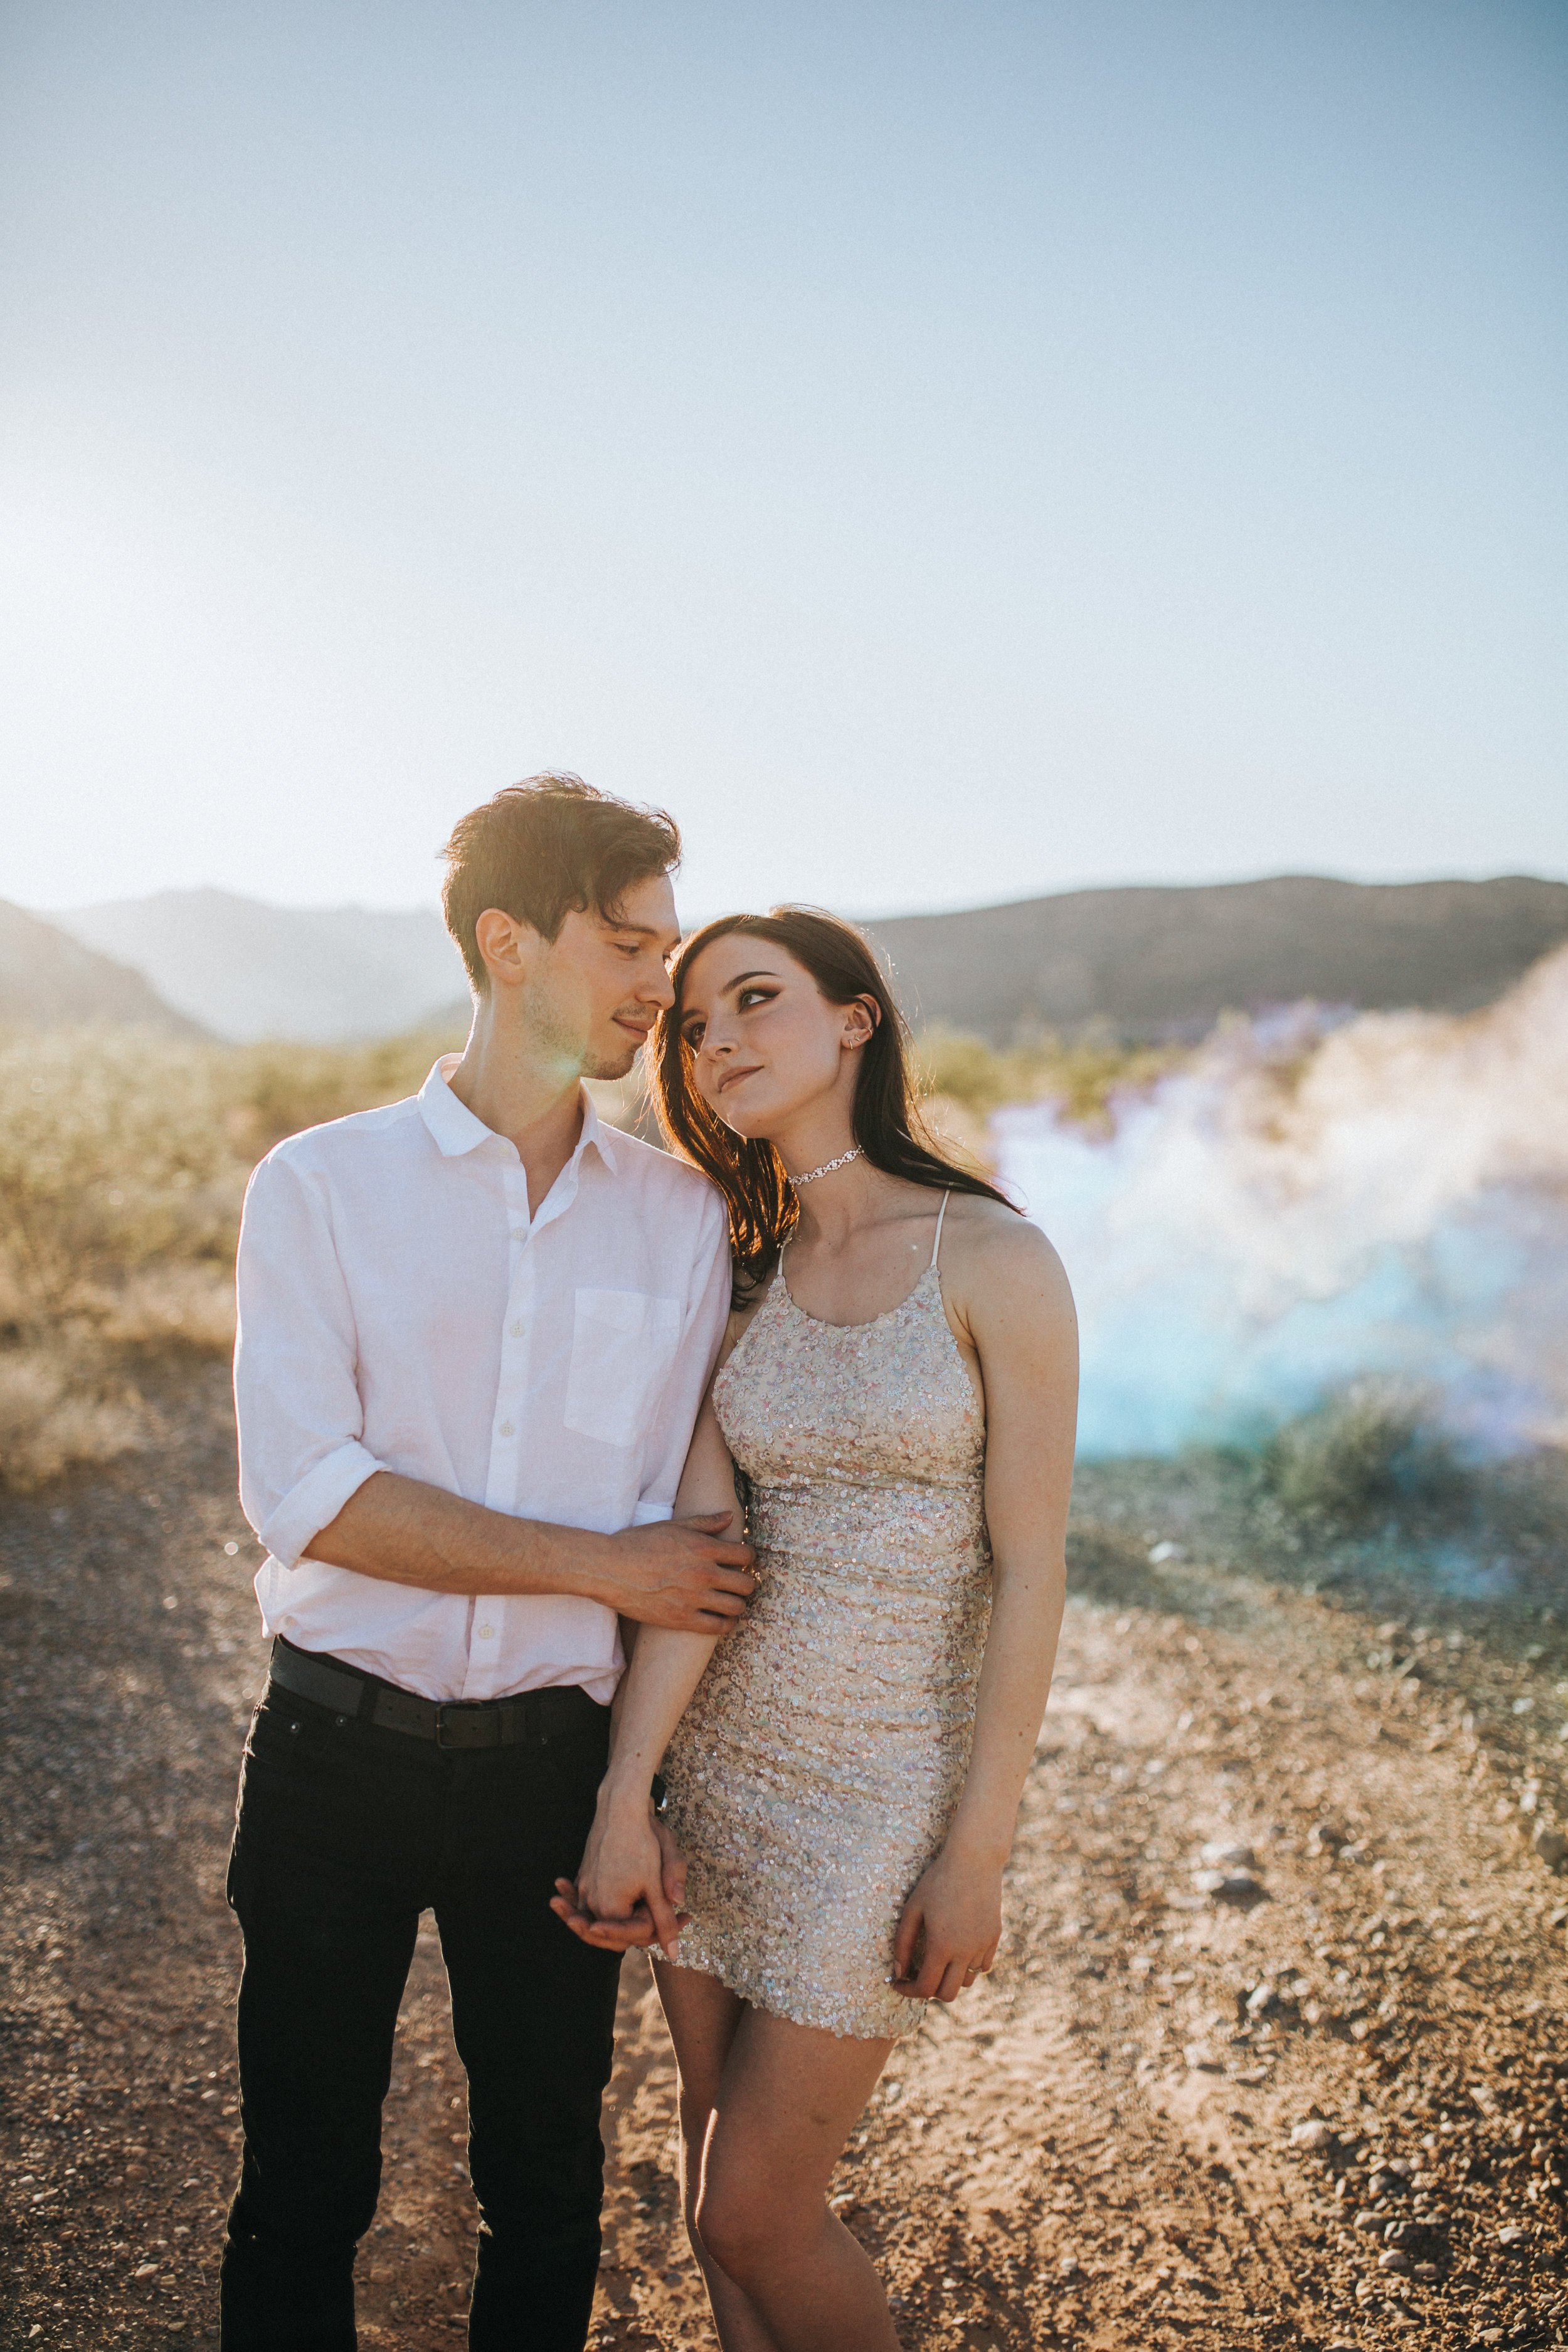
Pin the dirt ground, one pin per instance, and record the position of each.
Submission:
(1303, 2088)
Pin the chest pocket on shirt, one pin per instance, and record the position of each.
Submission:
(622, 1344)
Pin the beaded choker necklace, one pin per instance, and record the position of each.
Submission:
(827, 1168)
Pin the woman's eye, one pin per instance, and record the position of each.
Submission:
(693, 1035)
(752, 996)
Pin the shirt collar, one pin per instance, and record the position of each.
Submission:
(455, 1130)
(596, 1133)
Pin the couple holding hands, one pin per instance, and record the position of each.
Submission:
(663, 1549)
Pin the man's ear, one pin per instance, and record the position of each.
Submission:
(507, 946)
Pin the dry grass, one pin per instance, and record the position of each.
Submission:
(123, 1160)
(52, 1416)
(1086, 1079)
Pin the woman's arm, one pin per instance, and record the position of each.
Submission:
(1012, 1296)
(620, 1889)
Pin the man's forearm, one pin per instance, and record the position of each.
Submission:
(691, 1575)
(403, 1532)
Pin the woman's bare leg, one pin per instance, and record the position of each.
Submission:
(702, 2016)
(774, 2124)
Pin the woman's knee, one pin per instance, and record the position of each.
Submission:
(750, 2222)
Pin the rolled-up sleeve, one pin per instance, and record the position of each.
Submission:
(297, 1399)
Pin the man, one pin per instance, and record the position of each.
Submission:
(475, 1330)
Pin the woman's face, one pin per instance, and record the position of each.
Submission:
(768, 1048)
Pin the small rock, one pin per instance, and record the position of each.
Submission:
(1384, 2184)
(1161, 1552)
(1429, 2272)
(1220, 1857)
(1511, 2234)
(1551, 1845)
(1392, 2259)
(1367, 2221)
(1227, 1886)
(1262, 2001)
(1069, 2268)
(146, 2269)
(1201, 2059)
(1313, 2135)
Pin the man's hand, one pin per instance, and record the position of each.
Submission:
(686, 1574)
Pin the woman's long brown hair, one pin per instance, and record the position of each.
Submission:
(763, 1209)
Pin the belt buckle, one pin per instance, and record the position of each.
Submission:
(462, 1710)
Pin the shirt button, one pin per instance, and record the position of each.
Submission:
(487, 1633)
(516, 1330)
(520, 1233)
(505, 1430)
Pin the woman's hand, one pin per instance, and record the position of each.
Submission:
(631, 1885)
(950, 1928)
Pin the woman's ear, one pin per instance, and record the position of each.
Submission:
(861, 1020)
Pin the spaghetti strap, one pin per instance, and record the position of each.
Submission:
(936, 1245)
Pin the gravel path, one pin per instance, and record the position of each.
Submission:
(1274, 2054)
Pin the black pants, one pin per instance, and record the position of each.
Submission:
(346, 1832)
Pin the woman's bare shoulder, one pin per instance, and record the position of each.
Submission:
(991, 1253)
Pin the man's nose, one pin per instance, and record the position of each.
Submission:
(658, 989)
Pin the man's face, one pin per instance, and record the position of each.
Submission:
(599, 985)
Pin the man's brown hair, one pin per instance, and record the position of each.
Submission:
(546, 847)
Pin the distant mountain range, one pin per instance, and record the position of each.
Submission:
(50, 980)
(1165, 963)
(245, 969)
(1133, 964)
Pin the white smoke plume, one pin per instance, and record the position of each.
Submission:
(1295, 1210)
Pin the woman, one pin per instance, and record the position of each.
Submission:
(898, 1389)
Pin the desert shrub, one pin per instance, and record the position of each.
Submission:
(274, 1089)
(1371, 1453)
(1084, 1078)
(53, 1413)
(123, 1160)
(114, 1154)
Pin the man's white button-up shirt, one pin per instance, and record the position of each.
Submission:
(403, 1306)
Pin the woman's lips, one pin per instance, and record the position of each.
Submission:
(734, 1077)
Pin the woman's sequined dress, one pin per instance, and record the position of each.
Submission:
(815, 1773)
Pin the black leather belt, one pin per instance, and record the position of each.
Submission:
(530, 1720)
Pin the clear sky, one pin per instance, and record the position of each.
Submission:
(945, 450)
